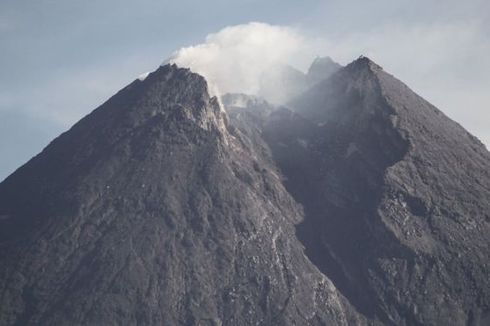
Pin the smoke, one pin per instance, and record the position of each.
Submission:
(236, 59)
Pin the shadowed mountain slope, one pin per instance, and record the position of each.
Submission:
(396, 196)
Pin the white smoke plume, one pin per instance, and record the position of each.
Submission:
(235, 59)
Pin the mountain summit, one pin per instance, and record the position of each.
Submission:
(321, 69)
(357, 203)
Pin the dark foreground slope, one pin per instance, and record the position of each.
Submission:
(396, 195)
(151, 211)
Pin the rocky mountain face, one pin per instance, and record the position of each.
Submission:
(396, 198)
(153, 210)
(356, 203)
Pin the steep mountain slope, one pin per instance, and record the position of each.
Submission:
(152, 210)
(396, 197)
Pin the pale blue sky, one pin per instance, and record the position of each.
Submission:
(62, 58)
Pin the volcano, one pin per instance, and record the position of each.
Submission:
(356, 203)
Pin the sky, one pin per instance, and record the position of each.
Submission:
(60, 59)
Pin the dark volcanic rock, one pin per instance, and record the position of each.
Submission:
(159, 208)
(152, 210)
(396, 197)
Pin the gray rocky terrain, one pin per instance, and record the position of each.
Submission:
(152, 211)
(356, 203)
(396, 197)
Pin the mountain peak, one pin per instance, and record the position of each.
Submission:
(171, 89)
(321, 68)
(171, 73)
(323, 61)
(410, 187)
(364, 62)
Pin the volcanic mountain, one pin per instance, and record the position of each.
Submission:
(356, 203)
